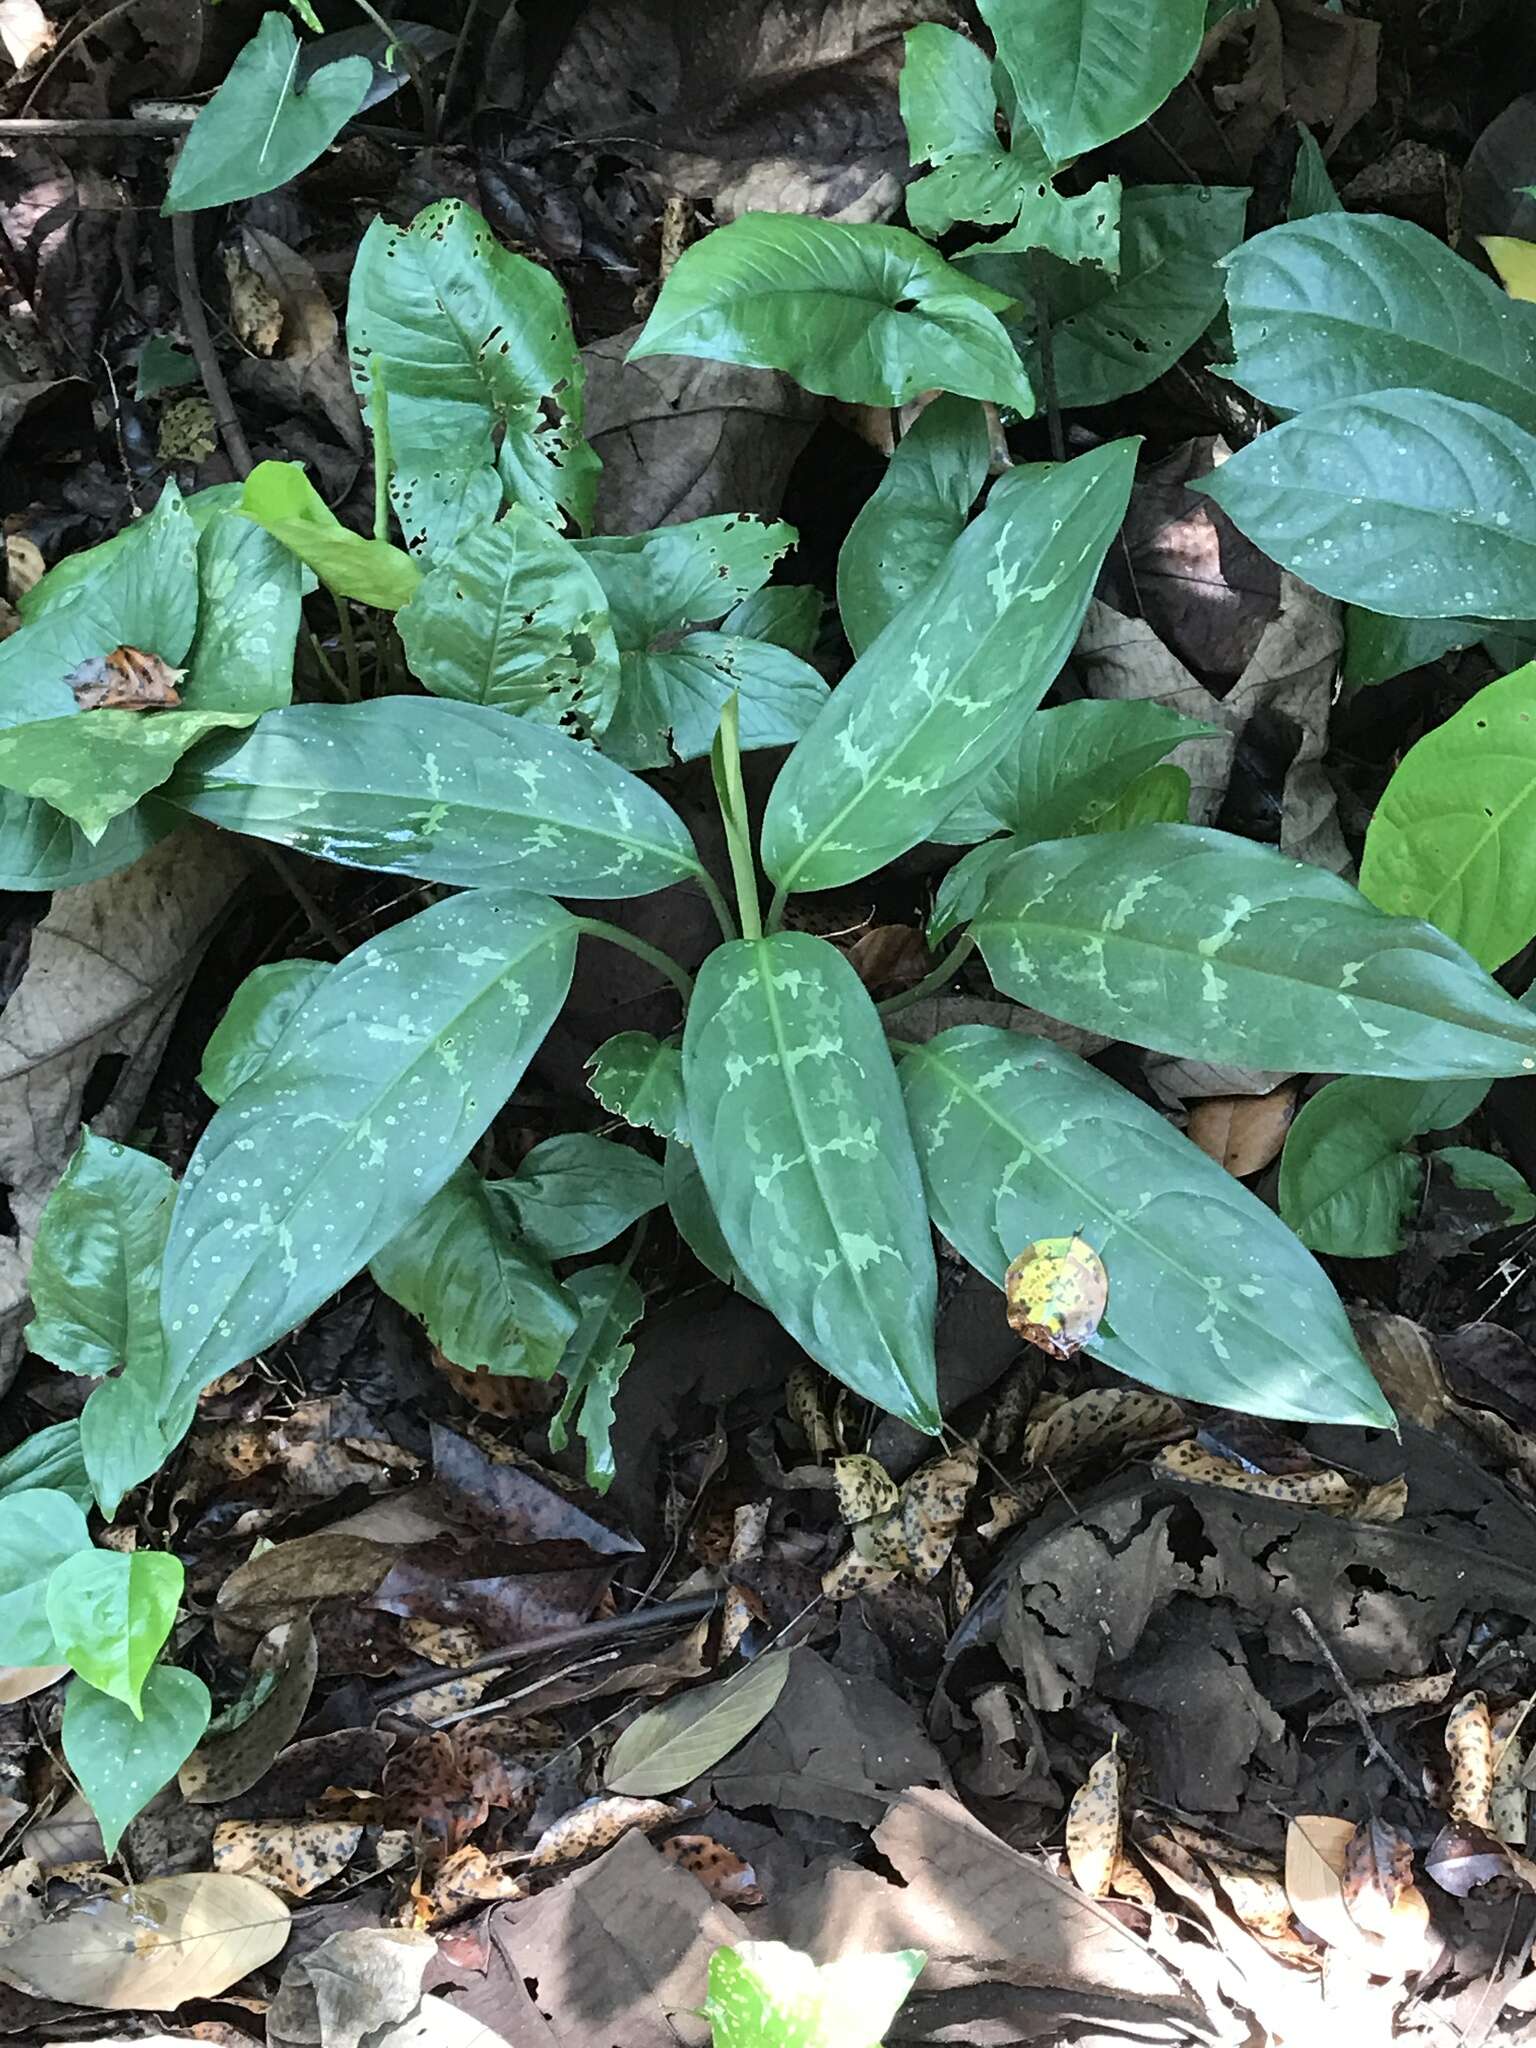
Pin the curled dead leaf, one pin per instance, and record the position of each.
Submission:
(1316, 1857)
(1389, 1697)
(933, 1504)
(127, 679)
(807, 1411)
(1104, 1419)
(1508, 1801)
(1382, 1898)
(1320, 1488)
(1469, 1745)
(864, 1487)
(720, 1870)
(597, 1823)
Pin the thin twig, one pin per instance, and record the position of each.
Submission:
(195, 321)
(44, 128)
(1351, 1699)
(349, 647)
(460, 49)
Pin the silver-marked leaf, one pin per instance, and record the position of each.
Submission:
(260, 1011)
(478, 361)
(486, 1298)
(1211, 947)
(575, 1193)
(902, 533)
(122, 1762)
(410, 1046)
(641, 1080)
(42, 849)
(97, 764)
(594, 1363)
(514, 618)
(259, 130)
(1067, 767)
(95, 1279)
(139, 588)
(1349, 1176)
(1345, 304)
(1210, 1296)
(796, 1119)
(445, 791)
(867, 314)
(1453, 838)
(1404, 502)
(669, 1746)
(1086, 71)
(949, 108)
(944, 691)
(248, 612)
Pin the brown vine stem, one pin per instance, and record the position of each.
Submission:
(195, 321)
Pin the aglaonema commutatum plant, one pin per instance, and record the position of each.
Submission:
(807, 1152)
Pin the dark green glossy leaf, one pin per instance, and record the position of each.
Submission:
(95, 1279)
(575, 1193)
(485, 1296)
(512, 617)
(410, 1046)
(670, 701)
(1349, 1176)
(1404, 502)
(260, 1011)
(1086, 71)
(694, 1214)
(110, 1612)
(121, 1762)
(280, 498)
(945, 690)
(796, 1119)
(448, 792)
(899, 540)
(40, 1528)
(1377, 648)
(1345, 304)
(48, 1458)
(476, 354)
(1211, 947)
(641, 1080)
(42, 849)
(1210, 1297)
(594, 1363)
(259, 130)
(866, 314)
(1453, 838)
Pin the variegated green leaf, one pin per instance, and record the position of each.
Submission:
(796, 1119)
(1215, 948)
(1210, 1296)
(941, 694)
(410, 1046)
(594, 1363)
(445, 791)
(641, 1080)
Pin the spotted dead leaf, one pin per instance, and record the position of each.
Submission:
(446, 1782)
(127, 679)
(1390, 1696)
(962, 1589)
(1093, 1827)
(500, 1394)
(1056, 1291)
(293, 1856)
(1509, 1802)
(882, 1541)
(467, 1878)
(720, 1870)
(1129, 1881)
(852, 1574)
(596, 1824)
(864, 1487)
(807, 1410)
(1382, 1898)
(449, 1644)
(1104, 1419)
(1005, 1511)
(933, 1504)
(1319, 1489)
(1012, 1408)
(1469, 1745)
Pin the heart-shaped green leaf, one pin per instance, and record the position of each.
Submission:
(949, 108)
(641, 1080)
(1086, 71)
(110, 1612)
(1349, 1176)
(574, 1193)
(122, 1762)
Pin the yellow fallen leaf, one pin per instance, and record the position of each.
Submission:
(1093, 1827)
(1515, 261)
(1319, 1489)
(1508, 1802)
(933, 1504)
(1316, 1855)
(294, 1856)
(1469, 1745)
(597, 1823)
(852, 1574)
(1056, 1290)
(864, 1487)
(806, 1409)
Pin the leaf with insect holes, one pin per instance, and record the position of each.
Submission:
(638, 1078)
(915, 514)
(671, 1745)
(122, 1762)
(513, 617)
(485, 1297)
(764, 1995)
(943, 692)
(473, 347)
(352, 1133)
(258, 130)
(1199, 943)
(1215, 1299)
(446, 792)
(867, 314)
(1086, 71)
(797, 1123)
(949, 109)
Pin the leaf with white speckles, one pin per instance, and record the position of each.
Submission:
(1212, 1298)
(410, 1047)
(942, 693)
(444, 791)
(121, 1762)
(1405, 502)
(1210, 947)
(796, 1120)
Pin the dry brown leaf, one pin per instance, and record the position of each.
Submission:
(597, 1823)
(1382, 1504)
(1382, 1898)
(889, 958)
(467, 1878)
(1469, 1745)
(933, 1504)
(1403, 1361)
(1093, 1827)
(24, 566)
(851, 1575)
(1508, 1802)
(127, 679)
(296, 1856)
(720, 1870)
(1104, 1419)
(21, 1898)
(1011, 1409)
(229, 1763)
(1316, 1852)
(1243, 1133)
(864, 1487)
(1005, 1511)
(807, 1410)
(149, 1947)
(21, 1681)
